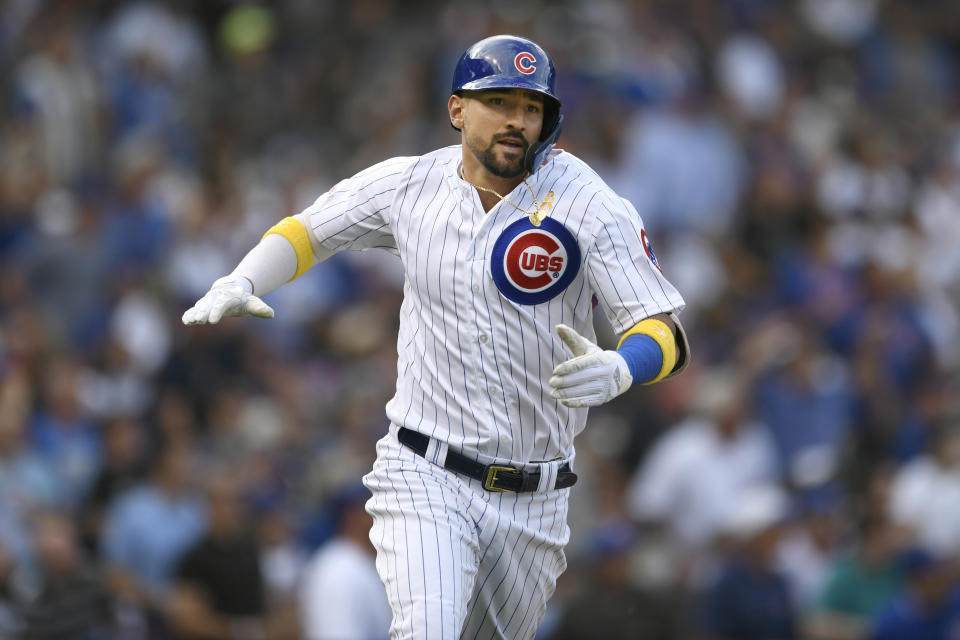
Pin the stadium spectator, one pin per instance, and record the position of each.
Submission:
(218, 589)
(63, 435)
(73, 599)
(928, 608)
(663, 151)
(123, 467)
(749, 599)
(147, 530)
(26, 483)
(341, 595)
(807, 402)
(862, 581)
(926, 491)
(10, 623)
(696, 472)
(608, 599)
(56, 87)
(811, 543)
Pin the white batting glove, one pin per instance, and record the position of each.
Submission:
(592, 376)
(228, 296)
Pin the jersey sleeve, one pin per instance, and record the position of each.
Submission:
(622, 268)
(355, 213)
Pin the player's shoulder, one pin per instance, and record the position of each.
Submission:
(565, 167)
(573, 175)
(444, 160)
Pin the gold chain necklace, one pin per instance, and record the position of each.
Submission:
(536, 217)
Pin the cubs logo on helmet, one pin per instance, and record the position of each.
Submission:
(531, 265)
(524, 62)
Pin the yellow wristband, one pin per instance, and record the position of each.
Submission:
(660, 332)
(294, 231)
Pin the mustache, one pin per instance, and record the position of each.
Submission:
(515, 137)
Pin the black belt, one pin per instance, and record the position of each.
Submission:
(494, 477)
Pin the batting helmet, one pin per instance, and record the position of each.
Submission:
(512, 62)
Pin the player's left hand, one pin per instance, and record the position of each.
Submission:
(592, 376)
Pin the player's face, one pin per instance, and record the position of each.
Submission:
(499, 125)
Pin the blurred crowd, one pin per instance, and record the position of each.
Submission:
(797, 165)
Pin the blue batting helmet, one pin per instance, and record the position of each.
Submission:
(512, 62)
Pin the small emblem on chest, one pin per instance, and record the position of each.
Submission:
(537, 217)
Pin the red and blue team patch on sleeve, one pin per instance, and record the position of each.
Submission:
(649, 249)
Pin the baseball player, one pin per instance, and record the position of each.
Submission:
(507, 245)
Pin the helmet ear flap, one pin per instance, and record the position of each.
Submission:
(551, 116)
(538, 151)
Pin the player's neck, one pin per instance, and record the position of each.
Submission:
(478, 176)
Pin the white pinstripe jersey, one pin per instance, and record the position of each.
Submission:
(475, 354)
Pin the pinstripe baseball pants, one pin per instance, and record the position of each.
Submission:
(459, 561)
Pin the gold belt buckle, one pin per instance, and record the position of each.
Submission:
(492, 472)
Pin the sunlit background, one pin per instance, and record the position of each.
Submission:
(797, 166)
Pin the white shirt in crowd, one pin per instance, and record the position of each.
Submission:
(692, 476)
(925, 496)
(341, 595)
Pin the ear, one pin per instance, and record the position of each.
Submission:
(455, 106)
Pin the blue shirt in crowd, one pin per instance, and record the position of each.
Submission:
(906, 619)
(147, 532)
(748, 603)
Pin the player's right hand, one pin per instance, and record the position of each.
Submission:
(228, 296)
(592, 376)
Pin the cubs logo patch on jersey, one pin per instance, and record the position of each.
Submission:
(530, 264)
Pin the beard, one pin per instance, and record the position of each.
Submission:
(505, 168)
